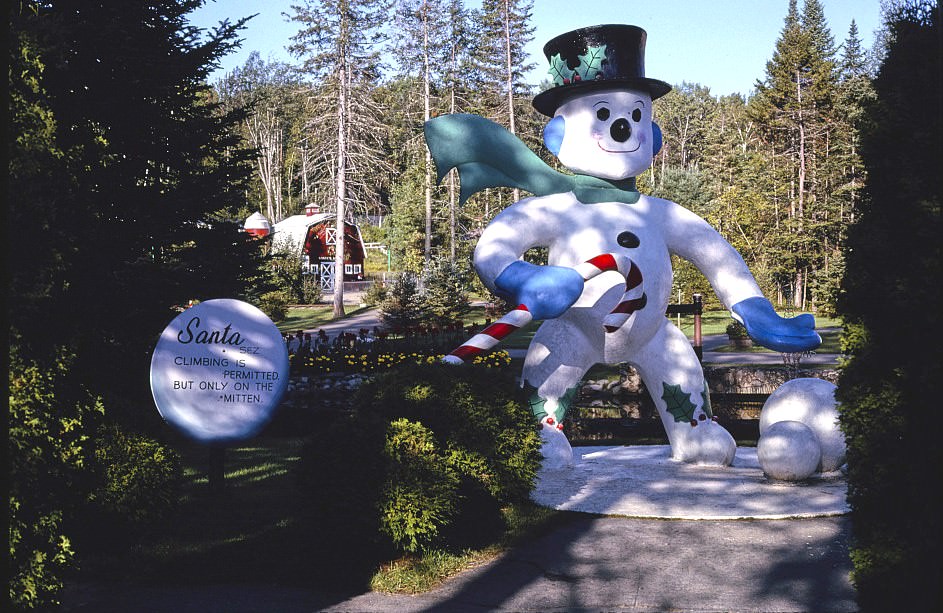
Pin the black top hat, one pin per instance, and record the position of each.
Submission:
(596, 57)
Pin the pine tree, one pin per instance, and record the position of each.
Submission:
(890, 386)
(338, 45)
(124, 162)
(500, 61)
(794, 107)
(421, 26)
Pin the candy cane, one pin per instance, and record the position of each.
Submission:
(632, 300)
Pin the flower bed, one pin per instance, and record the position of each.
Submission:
(366, 354)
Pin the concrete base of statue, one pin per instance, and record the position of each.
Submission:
(643, 481)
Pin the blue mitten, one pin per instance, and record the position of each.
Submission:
(767, 328)
(546, 291)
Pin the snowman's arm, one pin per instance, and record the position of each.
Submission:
(519, 227)
(692, 238)
(546, 291)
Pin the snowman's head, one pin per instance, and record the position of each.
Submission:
(607, 133)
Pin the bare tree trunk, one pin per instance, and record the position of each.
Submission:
(512, 124)
(305, 191)
(426, 116)
(266, 135)
(341, 195)
(453, 192)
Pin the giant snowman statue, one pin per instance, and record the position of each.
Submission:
(603, 295)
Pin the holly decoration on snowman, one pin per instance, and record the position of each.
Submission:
(603, 294)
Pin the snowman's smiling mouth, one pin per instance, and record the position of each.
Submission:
(599, 144)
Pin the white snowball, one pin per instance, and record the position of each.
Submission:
(812, 402)
(788, 451)
(707, 444)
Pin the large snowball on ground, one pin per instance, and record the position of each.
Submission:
(812, 402)
(707, 444)
(788, 451)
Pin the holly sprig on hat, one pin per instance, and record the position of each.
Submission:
(589, 68)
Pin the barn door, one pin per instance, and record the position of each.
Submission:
(327, 276)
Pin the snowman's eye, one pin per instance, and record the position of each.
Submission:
(602, 114)
(636, 115)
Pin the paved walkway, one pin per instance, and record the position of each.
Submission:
(643, 481)
(585, 563)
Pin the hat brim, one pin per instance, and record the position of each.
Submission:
(547, 102)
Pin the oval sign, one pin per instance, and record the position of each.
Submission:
(219, 371)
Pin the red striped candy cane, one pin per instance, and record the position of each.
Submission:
(632, 300)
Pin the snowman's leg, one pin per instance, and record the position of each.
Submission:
(556, 361)
(675, 380)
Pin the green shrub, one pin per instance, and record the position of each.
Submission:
(736, 330)
(275, 305)
(375, 294)
(49, 472)
(403, 306)
(418, 493)
(446, 286)
(311, 290)
(427, 460)
(141, 478)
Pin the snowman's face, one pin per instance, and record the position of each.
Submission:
(607, 133)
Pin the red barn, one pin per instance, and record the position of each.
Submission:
(315, 234)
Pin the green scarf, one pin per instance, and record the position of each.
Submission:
(487, 155)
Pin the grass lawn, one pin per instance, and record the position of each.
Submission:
(246, 532)
(251, 532)
(310, 317)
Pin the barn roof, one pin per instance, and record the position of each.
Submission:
(295, 228)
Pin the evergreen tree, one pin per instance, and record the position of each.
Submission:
(889, 388)
(121, 162)
(445, 290)
(794, 107)
(403, 306)
(338, 45)
(500, 63)
(421, 26)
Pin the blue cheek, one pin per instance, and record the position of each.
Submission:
(656, 139)
(553, 134)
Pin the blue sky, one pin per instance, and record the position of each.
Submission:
(723, 44)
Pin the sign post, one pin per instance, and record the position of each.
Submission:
(219, 371)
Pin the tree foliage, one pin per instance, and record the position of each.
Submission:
(122, 162)
(50, 451)
(120, 173)
(890, 293)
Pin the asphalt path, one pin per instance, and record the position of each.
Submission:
(584, 563)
